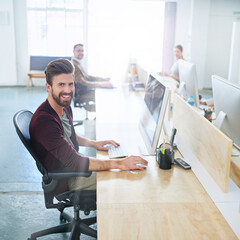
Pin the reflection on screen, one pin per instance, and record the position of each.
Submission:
(153, 99)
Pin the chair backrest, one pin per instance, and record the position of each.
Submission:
(21, 122)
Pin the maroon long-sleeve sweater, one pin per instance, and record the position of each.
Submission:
(47, 138)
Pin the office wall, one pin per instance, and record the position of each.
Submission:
(222, 15)
(204, 28)
(199, 40)
(183, 25)
(169, 36)
(192, 32)
(7, 45)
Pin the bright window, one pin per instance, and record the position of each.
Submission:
(120, 30)
(54, 26)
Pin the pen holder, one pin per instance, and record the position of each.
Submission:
(167, 159)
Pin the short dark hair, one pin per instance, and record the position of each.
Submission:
(57, 67)
(78, 45)
(179, 47)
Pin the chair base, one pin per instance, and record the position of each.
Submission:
(75, 226)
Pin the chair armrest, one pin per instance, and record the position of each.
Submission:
(64, 174)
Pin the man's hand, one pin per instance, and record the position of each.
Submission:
(131, 163)
(100, 145)
(106, 85)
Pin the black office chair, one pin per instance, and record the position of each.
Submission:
(84, 98)
(84, 200)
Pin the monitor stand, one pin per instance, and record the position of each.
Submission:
(220, 119)
(219, 122)
(182, 90)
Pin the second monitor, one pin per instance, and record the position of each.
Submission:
(188, 80)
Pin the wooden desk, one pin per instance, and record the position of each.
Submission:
(149, 204)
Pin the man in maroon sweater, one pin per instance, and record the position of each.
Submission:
(53, 136)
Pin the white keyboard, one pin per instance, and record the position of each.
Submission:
(117, 152)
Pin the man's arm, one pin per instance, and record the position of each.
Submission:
(101, 165)
(122, 164)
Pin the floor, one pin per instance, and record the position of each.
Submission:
(22, 208)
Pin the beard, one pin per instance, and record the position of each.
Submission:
(62, 103)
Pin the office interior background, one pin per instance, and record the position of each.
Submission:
(114, 33)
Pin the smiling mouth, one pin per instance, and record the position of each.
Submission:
(67, 97)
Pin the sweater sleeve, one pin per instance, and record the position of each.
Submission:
(48, 133)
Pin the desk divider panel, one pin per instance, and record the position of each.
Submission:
(211, 146)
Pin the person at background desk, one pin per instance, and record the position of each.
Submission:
(53, 136)
(82, 80)
(178, 53)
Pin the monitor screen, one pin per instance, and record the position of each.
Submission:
(155, 102)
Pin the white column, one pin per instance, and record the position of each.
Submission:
(234, 65)
(85, 34)
(7, 44)
(21, 41)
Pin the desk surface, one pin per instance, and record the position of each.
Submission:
(154, 203)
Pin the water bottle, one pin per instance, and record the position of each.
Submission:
(190, 100)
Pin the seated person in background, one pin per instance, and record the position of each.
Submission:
(82, 80)
(53, 136)
(178, 50)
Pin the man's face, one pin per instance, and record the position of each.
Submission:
(78, 52)
(62, 89)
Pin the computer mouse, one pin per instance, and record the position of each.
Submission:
(141, 165)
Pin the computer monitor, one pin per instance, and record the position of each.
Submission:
(188, 81)
(152, 118)
(226, 96)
